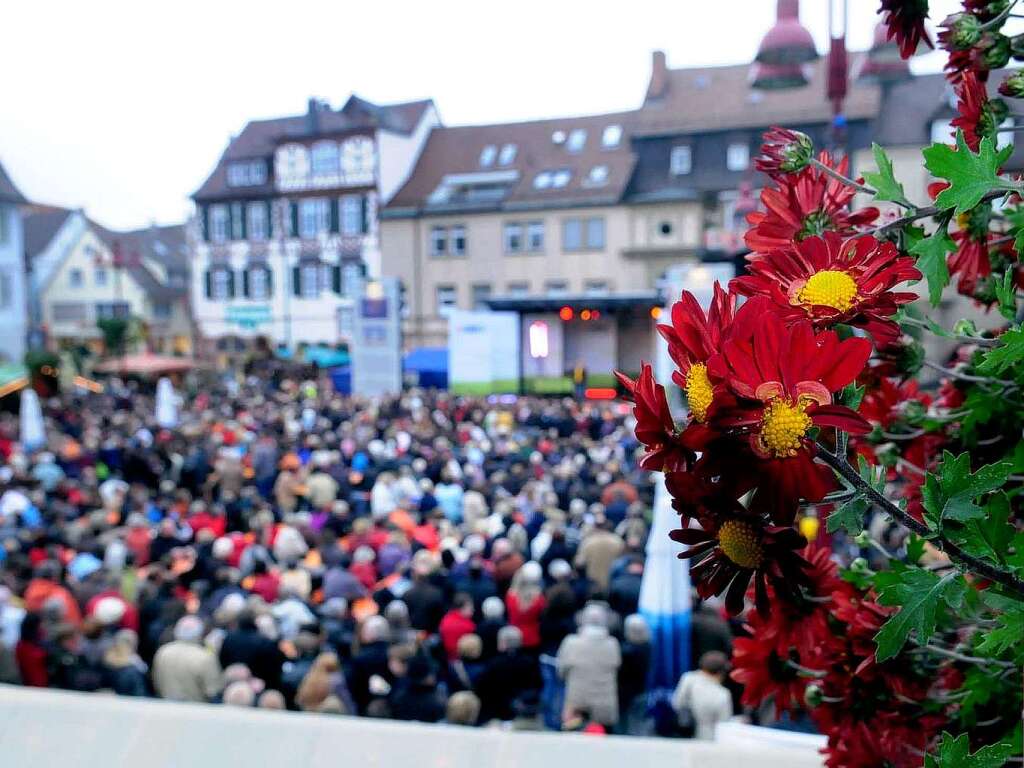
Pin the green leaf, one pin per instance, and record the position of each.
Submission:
(1005, 635)
(954, 753)
(884, 182)
(1006, 293)
(990, 536)
(849, 516)
(931, 262)
(1010, 351)
(950, 495)
(852, 395)
(920, 595)
(971, 176)
(915, 548)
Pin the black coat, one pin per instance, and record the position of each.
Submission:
(508, 684)
(416, 701)
(371, 660)
(426, 606)
(260, 654)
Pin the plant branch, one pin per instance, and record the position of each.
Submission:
(965, 658)
(978, 566)
(967, 376)
(980, 341)
(839, 177)
(931, 210)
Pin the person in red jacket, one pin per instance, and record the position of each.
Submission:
(456, 623)
(30, 654)
(525, 602)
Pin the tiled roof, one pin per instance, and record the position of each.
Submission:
(39, 225)
(259, 138)
(712, 98)
(8, 192)
(453, 157)
(163, 244)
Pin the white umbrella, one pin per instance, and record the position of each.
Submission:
(33, 434)
(166, 404)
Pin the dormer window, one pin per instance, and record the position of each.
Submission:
(681, 160)
(542, 180)
(611, 136)
(598, 176)
(487, 156)
(560, 178)
(247, 173)
(577, 140)
(508, 154)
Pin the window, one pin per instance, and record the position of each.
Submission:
(259, 228)
(519, 289)
(76, 278)
(508, 154)
(513, 238)
(487, 156)
(220, 284)
(556, 287)
(560, 178)
(3, 226)
(447, 299)
(218, 223)
(665, 228)
(611, 137)
(481, 292)
(737, 157)
(68, 311)
(542, 180)
(572, 235)
(109, 310)
(309, 280)
(598, 176)
(247, 173)
(162, 310)
(535, 236)
(325, 158)
(681, 160)
(577, 140)
(6, 289)
(351, 215)
(259, 283)
(596, 287)
(595, 234)
(457, 239)
(438, 241)
(99, 276)
(237, 222)
(314, 217)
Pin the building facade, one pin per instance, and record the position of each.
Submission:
(81, 273)
(13, 289)
(287, 223)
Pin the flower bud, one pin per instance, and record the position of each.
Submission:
(784, 151)
(813, 696)
(965, 328)
(995, 50)
(863, 539)
(962, 31)
(1013, 86)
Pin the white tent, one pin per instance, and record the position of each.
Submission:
(33, 433)
(166, 404)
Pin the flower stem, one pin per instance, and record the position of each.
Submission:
(931, 210)
(965, 658)
(981, 341)
(839, 177)
(998, 20)
(975, 564)
(968, 377)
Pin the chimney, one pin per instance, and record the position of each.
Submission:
(313, 116)
(658, 86)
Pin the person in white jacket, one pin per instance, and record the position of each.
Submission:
(589, 662)
(700, 697)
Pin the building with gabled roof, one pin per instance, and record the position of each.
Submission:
(13, 289)
(286, 226)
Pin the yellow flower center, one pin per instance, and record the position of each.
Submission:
(829, 288)
(698, 391)
(783, 425)
(741, 543)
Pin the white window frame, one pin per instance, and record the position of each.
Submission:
(598, 176)
(310, 278)
(680, 160)
(507, 155)
(351, 215)
(314, 217)
(577, 140)
(257, 226)
(737, 156)
(594, 234)
(512, 237)
(220, 284)
(488, 155)
(611, 137)
(457, 240)
(237, 224)
(535, 236)
(325, 158)
(561, 178)
(259, 279)
(219, 223)
(438, 241)
(446, 298)
(542, 180)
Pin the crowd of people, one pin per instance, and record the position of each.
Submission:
(424, 557)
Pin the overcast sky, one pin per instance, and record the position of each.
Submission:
(124, 107)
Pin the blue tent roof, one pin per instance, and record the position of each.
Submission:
(427, 359)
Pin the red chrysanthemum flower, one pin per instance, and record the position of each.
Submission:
(655, 428)
(904, 21)
(892, 741)
(783, 152)
(977, 115)
(885, 400)
(692, 338)
(805, 204)
(830, 280)
(763, 673)
(742, 549)
(783, 379)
